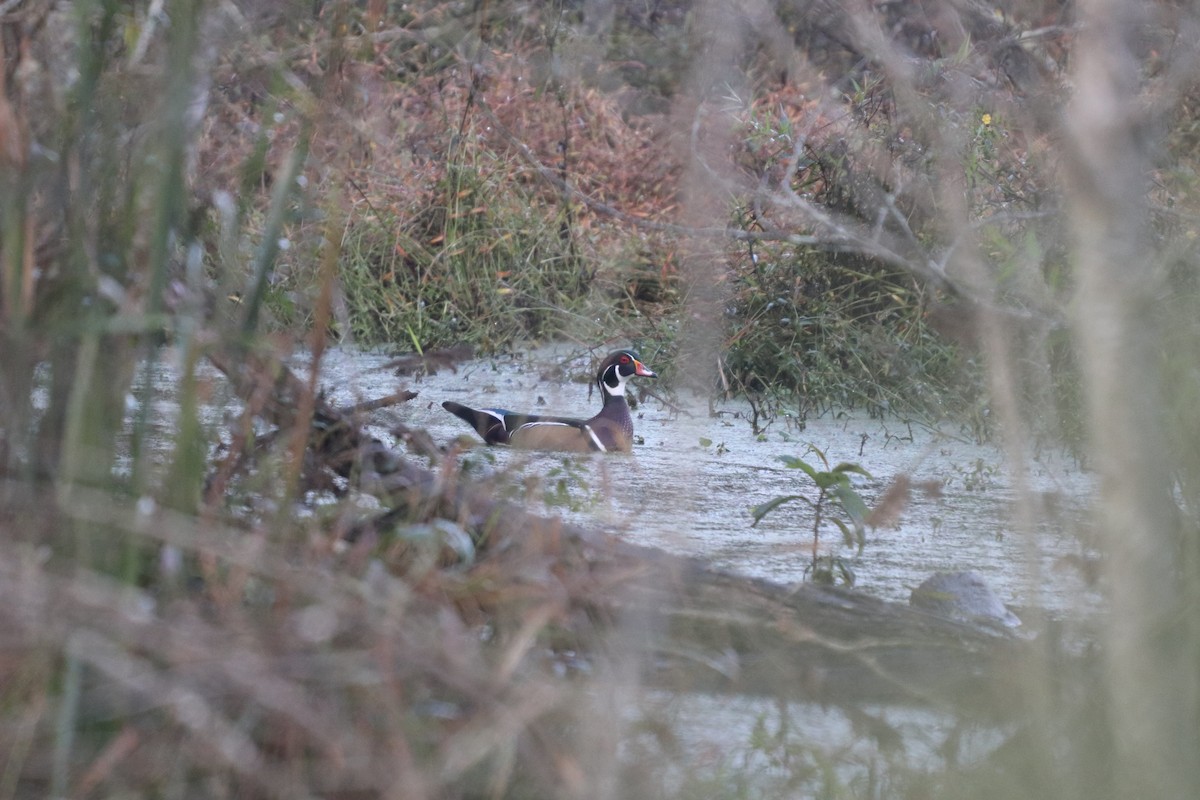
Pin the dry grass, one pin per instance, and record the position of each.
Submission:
(178, 616)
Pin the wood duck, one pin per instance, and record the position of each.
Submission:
(610, 430)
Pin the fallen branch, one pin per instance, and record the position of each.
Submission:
(402, 396)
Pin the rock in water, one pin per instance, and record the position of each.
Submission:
(963, 596)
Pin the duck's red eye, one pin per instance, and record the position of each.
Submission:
(624, 359)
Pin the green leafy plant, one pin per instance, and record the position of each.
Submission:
(563, 481)
(834, 494)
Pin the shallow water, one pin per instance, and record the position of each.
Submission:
(691, 498)
(677, 493)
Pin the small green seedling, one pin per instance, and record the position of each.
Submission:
(835, 492)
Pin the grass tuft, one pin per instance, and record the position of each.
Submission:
(483, 266)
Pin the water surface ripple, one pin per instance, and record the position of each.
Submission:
(690, 486)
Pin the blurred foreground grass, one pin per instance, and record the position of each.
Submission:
(180, 620)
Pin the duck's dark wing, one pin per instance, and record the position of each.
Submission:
(513, 421)
(490, 423)
(496, 425)
(541, 432)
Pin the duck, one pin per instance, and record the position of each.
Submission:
(611, 430)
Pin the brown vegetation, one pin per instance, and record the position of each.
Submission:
(278, 605)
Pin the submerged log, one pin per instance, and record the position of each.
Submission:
(833, 645)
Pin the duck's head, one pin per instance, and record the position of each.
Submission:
(616, 369)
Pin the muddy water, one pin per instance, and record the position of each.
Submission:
(689, 486)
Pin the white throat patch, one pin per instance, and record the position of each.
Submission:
(619, 389)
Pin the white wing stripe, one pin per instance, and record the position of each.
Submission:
(595, 439)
